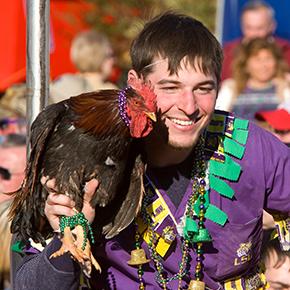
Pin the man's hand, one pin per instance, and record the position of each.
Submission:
(60, 204)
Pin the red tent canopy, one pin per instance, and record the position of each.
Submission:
(67, 18)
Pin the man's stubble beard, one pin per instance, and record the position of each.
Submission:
(162, 135)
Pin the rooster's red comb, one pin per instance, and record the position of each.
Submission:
(145, 90)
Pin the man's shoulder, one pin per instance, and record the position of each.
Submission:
(226, 123)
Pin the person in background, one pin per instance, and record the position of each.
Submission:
(257, 21)
(12, 165)
(277, 266)
(259, 81)
(277, 122)
(13, 102)
(12, 139)
(93, 56)
(5, 239)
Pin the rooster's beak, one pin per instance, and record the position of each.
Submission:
(151, 115)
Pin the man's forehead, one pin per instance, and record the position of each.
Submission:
(157, 61)
(185, 64)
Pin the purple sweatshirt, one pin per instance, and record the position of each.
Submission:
(234, 251)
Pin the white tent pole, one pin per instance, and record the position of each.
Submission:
(37, 58)
(220, 7)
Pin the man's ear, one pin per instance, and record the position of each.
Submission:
(132, 74)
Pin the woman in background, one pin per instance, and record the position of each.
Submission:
(259, 80)
(92, 54)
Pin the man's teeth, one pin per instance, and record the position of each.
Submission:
(182, 122)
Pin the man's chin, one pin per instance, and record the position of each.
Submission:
(181, 146)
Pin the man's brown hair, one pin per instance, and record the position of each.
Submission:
(174, 36)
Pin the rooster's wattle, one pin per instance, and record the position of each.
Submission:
(87, 136)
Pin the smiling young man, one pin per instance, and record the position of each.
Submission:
(208, 178)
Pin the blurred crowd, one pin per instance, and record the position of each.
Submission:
(255, 86)
(256, 72)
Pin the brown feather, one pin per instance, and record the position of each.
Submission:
(97, 111)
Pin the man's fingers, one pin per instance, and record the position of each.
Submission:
(61, 199)
(44, 179)
(61, 204)
(59, 210)
(90, 189)
(49, 184)
(58, 205)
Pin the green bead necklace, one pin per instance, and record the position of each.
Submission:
(190, 239)
(73, 221)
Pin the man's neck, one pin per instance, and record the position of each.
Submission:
(161, 155)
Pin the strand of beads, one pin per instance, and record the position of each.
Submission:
(153, 239)
(202, 235)
(140, 268)
(151, 244)
(73, 221)
(122, 103)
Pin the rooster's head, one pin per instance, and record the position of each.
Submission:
(140, 108)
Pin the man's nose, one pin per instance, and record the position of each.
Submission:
(187, 102)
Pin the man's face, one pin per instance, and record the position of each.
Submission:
(257, 24)
(186, 101)
(278, 278)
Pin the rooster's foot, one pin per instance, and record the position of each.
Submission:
(90, 259)
(68, 245)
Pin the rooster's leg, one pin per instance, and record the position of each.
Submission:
(68, 245)
(90, 259)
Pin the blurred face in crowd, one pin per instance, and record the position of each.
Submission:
(262, 66)
(257, 24)
(278, 277)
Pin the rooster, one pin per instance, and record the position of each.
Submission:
(93, 135)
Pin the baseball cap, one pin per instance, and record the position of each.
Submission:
(278, 119)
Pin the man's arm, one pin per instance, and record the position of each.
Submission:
(36, 271)
(277, 199)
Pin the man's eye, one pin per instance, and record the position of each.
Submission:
(203, 90)
(170, 89)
